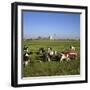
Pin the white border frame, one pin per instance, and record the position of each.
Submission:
(31, 80)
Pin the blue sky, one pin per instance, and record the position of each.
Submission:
(44, 24)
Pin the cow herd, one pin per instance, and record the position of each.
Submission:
(49, 54)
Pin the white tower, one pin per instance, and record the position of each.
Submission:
(51, 38)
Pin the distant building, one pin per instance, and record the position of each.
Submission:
(51, 38)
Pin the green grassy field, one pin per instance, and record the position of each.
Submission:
(53, 68)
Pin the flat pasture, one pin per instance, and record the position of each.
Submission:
(38, 67)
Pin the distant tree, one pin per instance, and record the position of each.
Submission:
(39, 37)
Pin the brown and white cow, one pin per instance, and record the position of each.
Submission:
(68, 55)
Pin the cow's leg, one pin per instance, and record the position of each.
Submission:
(29, 60)
(26, 63)
(62, 58)
(68, 59)
(49, 59)
(76, 56)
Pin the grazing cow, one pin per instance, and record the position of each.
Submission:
(52, 55)
(56, 56)
(68, 55)
(42, 54)
(27, 58)
(72, 48)
(46, 55)
(40, 51)
(25, 49)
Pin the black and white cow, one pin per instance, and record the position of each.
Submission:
(52, 55)
(26, 56)
(42, 54)
(25, 49)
